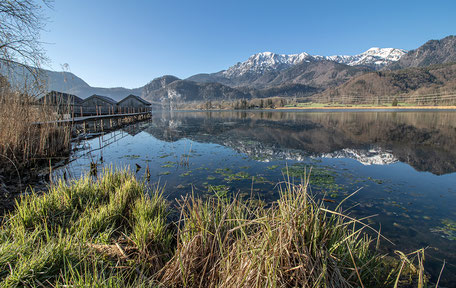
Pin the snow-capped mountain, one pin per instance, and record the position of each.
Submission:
(375, 58)
(265, 61)
(265, 153)
(372, 156)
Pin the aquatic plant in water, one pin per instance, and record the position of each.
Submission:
(447, 229)
(219, 190)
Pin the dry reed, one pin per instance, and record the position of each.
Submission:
(22, 141)
(296, 242)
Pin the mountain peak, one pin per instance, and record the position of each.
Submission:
(262, 62)
(376, 57)
(265, 61)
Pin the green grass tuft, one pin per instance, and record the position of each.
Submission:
(116, 232)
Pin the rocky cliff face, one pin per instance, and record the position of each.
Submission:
(181, 91)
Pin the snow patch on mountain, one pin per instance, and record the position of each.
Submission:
(373, 156)
(267, 61)
(264, 153)
(376, 57)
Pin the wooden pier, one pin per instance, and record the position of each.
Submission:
(98, 123)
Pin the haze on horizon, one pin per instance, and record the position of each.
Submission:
(116, 43)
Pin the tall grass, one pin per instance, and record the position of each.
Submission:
(116, 232)
(85, 230)
(21, 142)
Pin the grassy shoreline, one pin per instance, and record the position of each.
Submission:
(115, 232)
(369, 107)
(330, 107)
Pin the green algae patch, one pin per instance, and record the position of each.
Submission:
(185, 174)
(167, 166)
(378, 181)
(131, 157)
(165, 155)
(447, 229)
(319, 176)
(272, 167)
(236, 177)
(223, 171)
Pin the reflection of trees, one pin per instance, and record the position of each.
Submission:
(422, 139)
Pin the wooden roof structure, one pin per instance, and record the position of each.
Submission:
(139, 99)
(60, 98)
(106, 99)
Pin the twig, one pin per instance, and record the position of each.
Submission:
(15, 167)
(356, 268)
(441, 270)
(121, 250)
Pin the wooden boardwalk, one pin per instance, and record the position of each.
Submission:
(78, 120)
(89, 126)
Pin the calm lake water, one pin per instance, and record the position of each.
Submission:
(403, 162)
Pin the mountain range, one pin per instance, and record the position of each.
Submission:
(269, 74)
(262, 69)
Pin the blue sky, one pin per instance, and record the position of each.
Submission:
(128, 43)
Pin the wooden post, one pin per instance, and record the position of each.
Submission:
(81, 111)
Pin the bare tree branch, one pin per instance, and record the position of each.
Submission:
(21, 22)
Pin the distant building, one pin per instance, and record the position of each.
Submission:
(97, 104)
(133, 104)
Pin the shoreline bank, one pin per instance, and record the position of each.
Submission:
(114, 229)
(366, 108)
(369, 108)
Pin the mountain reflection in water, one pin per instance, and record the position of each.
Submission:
(424, 140)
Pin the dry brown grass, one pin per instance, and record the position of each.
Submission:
(22, 143)
(296, 242)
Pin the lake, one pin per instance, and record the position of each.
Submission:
(403, 164)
